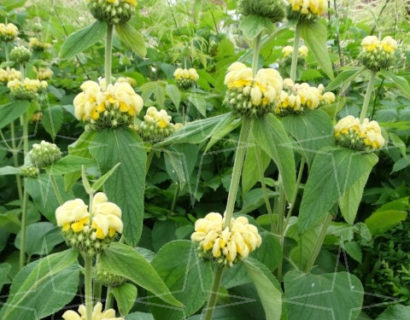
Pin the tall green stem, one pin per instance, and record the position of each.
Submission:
(210, 306)
(14, 152)
(237, 168)
(108, 299)
(56, 190)
(108, 54)
(257, 48)
(294, 65)
(88, 283)
(368, 95)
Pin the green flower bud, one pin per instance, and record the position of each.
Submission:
(20, 54)
(44, 154)
(29, 171)
(112, 13)
(271, 9)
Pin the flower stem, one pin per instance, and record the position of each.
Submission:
(237, 168)
(14, 152)
(56, 190)
(368, 95)
(108, 299)
(294, 64)
(263, 185)
(108, 54)
(210, 306)
(88, 282)
(256, 49)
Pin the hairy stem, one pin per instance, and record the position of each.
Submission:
(56, 190)
(294, 65)
(14, 152)
(108, 299)
(368, 95)
(210, 306)
(88, 283)
(108, 54)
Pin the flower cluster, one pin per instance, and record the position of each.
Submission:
(27, 89)
(112, 11)
(307, 9)
(226, 245)
(156, 125)
(271, 9)
(44, 73)
(186, 78)
(20, 54)
(129, 80)
(8, 32)
(98, 313)
(252, 96)
(288, 50)
(356, 135)
(107, 278)
(8, 74)
(107, 106)
(38, 45)
(297, 96)
(90, 233)
(377, 54)
(29, 171)
(44, 154)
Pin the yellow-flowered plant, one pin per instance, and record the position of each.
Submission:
(113, 106)
(9, 74)
(186, 78)
(90, 233)
(112, 11)
(377, 54)
(288, 50)
(98, 313)
(27, 89)
(156, 125)
(308, 9)
(362, 136)
(37, 45)
(44, 73)
(252, 96)
(129, 80)
(20, 54)
(8, 32)
(296, 97)
(226, 245)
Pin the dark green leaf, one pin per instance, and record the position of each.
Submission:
(12, 111)
(125, 295)
(53, 120)
(69, 164)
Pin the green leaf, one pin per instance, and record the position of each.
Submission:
(42, 287)
(41, 238)
(334, 171)
(199, 102)
(83, 39)
(395, 312)
(126, 262)
(350, 201)
(273, 140)
(126, 186)
(100, 182)
(269, 253)
(139, 316)
(315, 36)
(222, 129)
(69, 164)
(346, 76)
(337, 296)
(312, 131)
(388, 215)
(131, 38)
(400, 82)
(125, 295)
(353, 249)
(9, 170)
(53, 120)
(13, 4)
(174, 94)
(188, 277)
(267, 287)
(253, 25)
(12, 111)
(4, 271)
(250, 172)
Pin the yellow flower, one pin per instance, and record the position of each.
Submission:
(44, 73)
(303, 51)
(329, 97)
(36, 44)
(389, 45)
(156, 125)
(72, 211)
(106, 216)
(309, 7)
(27, 88)
(226, 244)
(8, 74)
(8, 32)
(186, 78)
(287, 51)
(370, 43)
(98, 314)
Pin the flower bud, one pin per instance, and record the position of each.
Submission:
(274, 10)
(8, 32)
(112, 12)
(44, 154)
(29, 171)
(20, 54)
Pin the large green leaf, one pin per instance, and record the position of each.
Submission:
(315, 36)
(253, 25)
(126, 262)
(83, 39)
(4, 271)
(337, 296)
(131, 38)
(126, 186)
(222, 129)
(69, 164)
(189, 278)
(125, 296)
(346, 76)
(395, 312)
(9, 170)
(267, 287)
(400, 82)
(43, 287)
(12, 111)
(334, 171)
(53, 120)
(312, 131)
(271, 137)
